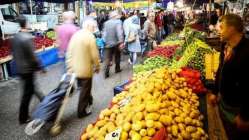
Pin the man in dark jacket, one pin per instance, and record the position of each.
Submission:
(26, 64)
(232, 79)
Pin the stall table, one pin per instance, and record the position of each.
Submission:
(47, 57)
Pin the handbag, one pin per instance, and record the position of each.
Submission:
(131, 37)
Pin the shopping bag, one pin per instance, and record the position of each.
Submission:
(131, 37)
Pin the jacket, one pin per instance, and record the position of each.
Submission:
(135, 45)
(113, 33)
(82, 55)
(232, 79)
(23, 53)
(150, 29)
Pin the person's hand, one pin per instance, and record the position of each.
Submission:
(241, 124)
(212, 99)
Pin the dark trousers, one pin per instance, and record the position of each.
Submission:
(28, 91)
(85, 99)
(109, 53)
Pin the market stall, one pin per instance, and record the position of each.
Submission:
(45, 50)
(166, 97)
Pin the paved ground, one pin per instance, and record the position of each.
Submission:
(10, 98)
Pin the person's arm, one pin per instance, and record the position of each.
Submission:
(146, 29)
(120, 33)
(30, 54)
(244, 76)
(69, 57)
(94, 54)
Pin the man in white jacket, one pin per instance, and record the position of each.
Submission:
(83, 60)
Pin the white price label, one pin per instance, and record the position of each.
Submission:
(115, 135)
(124, 101)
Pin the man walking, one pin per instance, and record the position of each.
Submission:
(114, 38)
(26, 64)
(83, 60)
(64, 34)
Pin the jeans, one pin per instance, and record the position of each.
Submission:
(85, 98)
(133, 57)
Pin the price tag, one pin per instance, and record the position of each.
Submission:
(124, 101)
(115, 135)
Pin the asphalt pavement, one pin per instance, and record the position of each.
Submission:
(10, 92)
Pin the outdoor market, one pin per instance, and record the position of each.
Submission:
(124, 70)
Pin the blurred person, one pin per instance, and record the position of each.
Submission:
(159, 25)
(150, 30)
(232, 78)
(101, 19)
(26, 64)
(101, 46)
(114, 39)
(171, 19)
(133, 41)
(83, 60)
(166, 23)
(64, 33)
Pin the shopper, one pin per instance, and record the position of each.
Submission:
(232, 79)
(150, 30)
(114, 38)
(159, 26)
(166, 23)
(64, 34)
(26, 64)
(83, 60)
(133, 41)
(101, 19)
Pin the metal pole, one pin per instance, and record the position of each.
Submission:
(31, 9)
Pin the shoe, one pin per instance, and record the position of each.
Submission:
(89, 109)
(129, 61)
(118, 71)
(34, 126)
(107, 74)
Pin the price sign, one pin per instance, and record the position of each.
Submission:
(124, 101)
(115, 135)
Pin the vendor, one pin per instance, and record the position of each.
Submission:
(232, 79)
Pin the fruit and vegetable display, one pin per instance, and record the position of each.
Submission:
(151, 63)
(173, 36)
(193, 79)
(4, 51)
(166, 52)
(41, 42)
(172, 43)
(198, 60)
(193, 52)
(51, 34)
(156, 101)
(5, 48)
